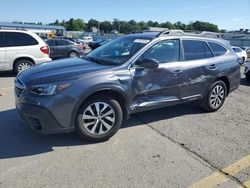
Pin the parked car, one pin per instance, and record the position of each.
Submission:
(86, 40)
(131, 74)
(20, 50)
(61, 48)
(247, 50)
(95, 44)
(247, 71)
(240, 53)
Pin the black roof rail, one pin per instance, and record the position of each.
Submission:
(206, 34)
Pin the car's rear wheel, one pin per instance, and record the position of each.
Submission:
(215, 96)
(22, 65)
(73, 54)
(99, 118)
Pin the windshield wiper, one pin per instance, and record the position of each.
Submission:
(91, 59)
(101, 62)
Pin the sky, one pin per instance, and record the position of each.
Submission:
(227, 14)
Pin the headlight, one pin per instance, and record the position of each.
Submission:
(48, 89)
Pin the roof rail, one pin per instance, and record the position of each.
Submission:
(205, 34)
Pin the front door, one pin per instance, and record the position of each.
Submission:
(161, 86)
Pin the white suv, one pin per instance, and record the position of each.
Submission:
(20, 50)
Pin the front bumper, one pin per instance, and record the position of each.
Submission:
(40, 119)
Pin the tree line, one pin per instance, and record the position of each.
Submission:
(132, 26)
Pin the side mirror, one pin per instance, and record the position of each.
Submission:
(149, 64)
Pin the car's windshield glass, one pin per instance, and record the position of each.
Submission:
(117, 51)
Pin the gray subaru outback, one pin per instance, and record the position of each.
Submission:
(131, 74)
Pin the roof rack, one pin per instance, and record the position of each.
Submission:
(205, 34)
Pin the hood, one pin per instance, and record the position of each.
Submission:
(60, 70)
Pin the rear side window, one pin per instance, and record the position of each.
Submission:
(194, 50)
(19, 39)
(217, 49)
(51, 43)
(2, 42)
(237, 50)
(64, 43)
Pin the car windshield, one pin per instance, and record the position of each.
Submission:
(117, 51)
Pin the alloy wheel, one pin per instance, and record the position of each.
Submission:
(217, 96)
(23, 66)
(98, 118)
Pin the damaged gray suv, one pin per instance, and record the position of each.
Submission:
(131, 74)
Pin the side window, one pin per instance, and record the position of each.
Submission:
(51, 43)
(236, 50)
(164, 51)
(19, 39)
(194, 50)
(217, 49)
(208, 52)
(63, 43)
(2, 42)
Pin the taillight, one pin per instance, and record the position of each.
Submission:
(80, 46)
(45, 49)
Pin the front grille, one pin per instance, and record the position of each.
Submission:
(19, 87)
(34, 123)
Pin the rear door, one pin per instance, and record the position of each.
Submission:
(63, 47)
(197, 65)
(19, 44)
(2, 51)
(53, 48)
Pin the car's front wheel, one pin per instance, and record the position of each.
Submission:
(215, 96)
(99, 118)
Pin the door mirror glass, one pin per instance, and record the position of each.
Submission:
(149, 63)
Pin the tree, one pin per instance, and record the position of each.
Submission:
(205, 26)
(167, 25)
(180, 25)
(93, 23)
(106, 27)
(132, 25)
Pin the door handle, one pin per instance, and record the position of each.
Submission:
(212, 67)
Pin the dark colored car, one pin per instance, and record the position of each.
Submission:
(128, 75)
(247, 71)
(62, 48)
(95, 44)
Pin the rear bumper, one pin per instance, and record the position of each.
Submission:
(43, 60)
(40, 119)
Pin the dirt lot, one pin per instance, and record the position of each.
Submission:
(177, 146)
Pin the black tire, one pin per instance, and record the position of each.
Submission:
(247, 77)
(243, 61)
(22, 65)
(207, 103)
(84, 131)
(73, 54)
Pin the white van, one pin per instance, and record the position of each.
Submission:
(20, 50)
(86, 40)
